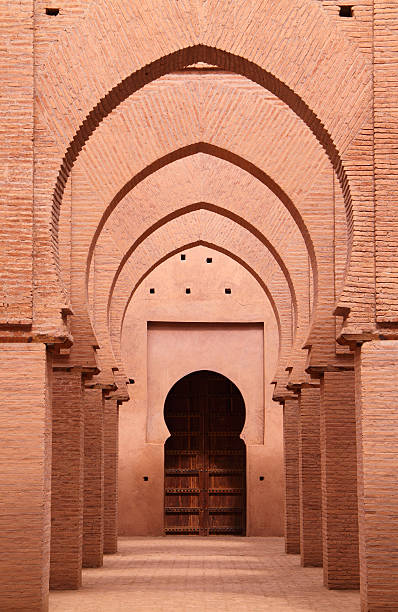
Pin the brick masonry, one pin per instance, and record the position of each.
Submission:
(67, 480)
(291, 422)
(377, 426)
(25, 456)
(130, 130)
(111, 438)
(310, 478)
(339, 481)
(93, 511)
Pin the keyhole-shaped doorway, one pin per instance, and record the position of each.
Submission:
(205, 459)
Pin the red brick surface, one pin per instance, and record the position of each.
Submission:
(16, 162)
(291, 422)
(25, 452)
(93, 511)
(67, 479)
(339, 481)
(264, 130)
(310, 478)
(111, 438)
(377, 426)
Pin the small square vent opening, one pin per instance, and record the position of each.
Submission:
(346, 11)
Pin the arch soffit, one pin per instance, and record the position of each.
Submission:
(298, 66)
(229, 157)
(182, 58)
(280, 302)
(315, 269)
(254, 124)
(199, 147)
(191, 226)
(222, 212)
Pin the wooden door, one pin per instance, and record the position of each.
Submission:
(205, 459)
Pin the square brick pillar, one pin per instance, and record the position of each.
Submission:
(310, 478)
(291, 459)
(93, 513)
(376, 372)
(25, 477)
(339, 481)
(67, 480)
(111, 448)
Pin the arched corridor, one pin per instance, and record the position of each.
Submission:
(198, 305)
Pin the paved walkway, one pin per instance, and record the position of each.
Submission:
(217, 574)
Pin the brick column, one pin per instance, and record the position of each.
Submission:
(111, 443)
(25, 456)
(67, 480)
(291, 459)
(310, 478)
(376, 372)
(93, 513)
(339, 481)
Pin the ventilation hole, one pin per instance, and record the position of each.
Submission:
(228, 291)
(261, 478)
(152, 290)
(53, 12)
(131, 381)
(183, 257)
(146, 478)
(187, 290)
(209, 260)
(346, 11)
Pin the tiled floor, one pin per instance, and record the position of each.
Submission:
(201, 575)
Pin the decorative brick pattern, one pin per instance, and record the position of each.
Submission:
(339, 481)
(93, 511)
(16, 162)
(131, 130)
(377, 431)
(67, 480)
(25, 455)
(386, 158)
(291, 422)
(310, 478)
(111, 440)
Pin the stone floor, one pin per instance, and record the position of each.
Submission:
(201, 575)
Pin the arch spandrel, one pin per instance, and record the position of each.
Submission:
(155, 30)
(293, 73)
(137, 268)
(313, 152)
(293, 138)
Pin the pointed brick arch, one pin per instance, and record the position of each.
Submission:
(160, 245)
(320, 54)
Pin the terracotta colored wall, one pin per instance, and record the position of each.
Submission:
(67, 479)
(243, 347)
(291, 423)
(25, 454)
(377, 431)
(93, 508)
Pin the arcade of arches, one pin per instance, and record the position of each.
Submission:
(198, 284)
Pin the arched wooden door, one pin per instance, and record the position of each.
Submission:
(205, 459)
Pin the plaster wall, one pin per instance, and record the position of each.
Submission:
(169, 334)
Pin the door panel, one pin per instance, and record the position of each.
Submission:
(205, 459)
